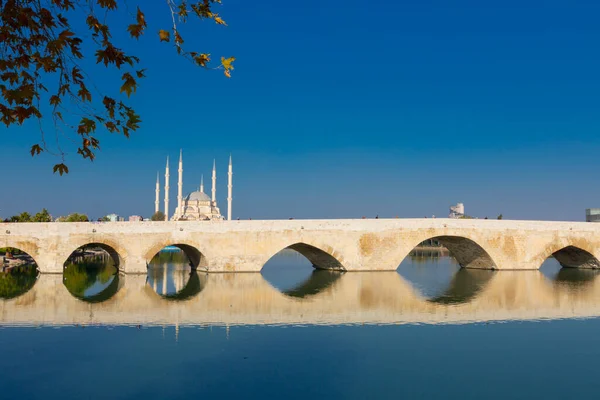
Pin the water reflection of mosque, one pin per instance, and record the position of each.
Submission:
(171, 277)
(165, 280)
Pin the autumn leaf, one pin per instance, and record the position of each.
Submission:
(61, 168)
(84, 94)
(86, 126)
(54, 100)
(110, 4)
(178, 39)
(164, 36)
(201, 59)
(35, 149)
(129, 84)
(141, 18)
(219, 20)
(227, 64)
(137, 29)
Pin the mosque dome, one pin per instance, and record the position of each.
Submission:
(197, 196)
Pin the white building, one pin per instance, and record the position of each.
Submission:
(457, 211)
(113, 217)
(197, 205)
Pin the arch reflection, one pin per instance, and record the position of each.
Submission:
(318, 281)
(176, 284)
(171, 275)
(294, 275)
(440, 279)
(93, 280)
(17, 281)
(464, 287)
(572, 278)
(18, 272)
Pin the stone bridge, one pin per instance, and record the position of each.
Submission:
(349, 245)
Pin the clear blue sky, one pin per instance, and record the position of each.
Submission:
(351, 108)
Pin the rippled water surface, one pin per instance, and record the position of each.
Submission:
(429, 330)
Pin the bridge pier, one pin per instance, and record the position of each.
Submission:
(48, 263)
(134, 265)
(236, 264)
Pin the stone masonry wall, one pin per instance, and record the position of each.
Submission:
(355, 245)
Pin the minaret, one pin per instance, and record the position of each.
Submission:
(164, 282)
(229, 188)
(201, 183)
(180, 186)
(157, 200)
(214, 183)
(167, 191)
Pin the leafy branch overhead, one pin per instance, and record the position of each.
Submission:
(41, 77)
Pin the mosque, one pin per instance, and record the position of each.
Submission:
(196, 206)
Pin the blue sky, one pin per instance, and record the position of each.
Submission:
(350, 109)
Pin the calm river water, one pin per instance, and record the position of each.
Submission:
(429, 330)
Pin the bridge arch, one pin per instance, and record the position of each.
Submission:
(197, 258)
(569, 256)
(321, 257)
(28, 251)
(467, 252)
(28, 247)
(116, 252)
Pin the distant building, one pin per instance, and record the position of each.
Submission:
(135, 218)
(113, 217)
(457, 211)
(592, 215)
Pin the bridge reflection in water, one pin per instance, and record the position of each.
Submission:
(294, 276)
(92, 280)
(173, 294)
(440, 279)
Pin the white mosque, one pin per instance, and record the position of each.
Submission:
(196, 206)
